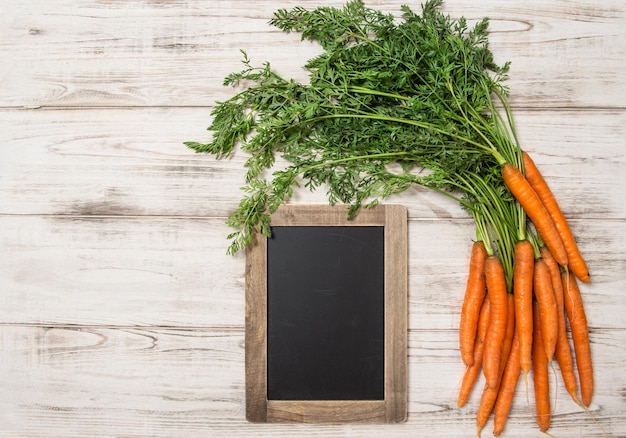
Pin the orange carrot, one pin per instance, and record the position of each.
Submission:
(508, 384)
(510, 331)
(532, 205)
(547, 307)
(562, 353)
(496, 290)
(523, 291)
(488, 398)
(540, 375)
(576, 263)
(471, 372)
(472, 302)
(580, 335)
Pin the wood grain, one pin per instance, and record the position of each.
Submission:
(150, 381)
(145, 53)
(256, 331)
(121, 315)
(136, 271)
(72, 162)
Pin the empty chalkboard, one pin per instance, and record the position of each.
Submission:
(325, 313)
(326, 316)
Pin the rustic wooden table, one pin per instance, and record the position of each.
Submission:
(121, 315)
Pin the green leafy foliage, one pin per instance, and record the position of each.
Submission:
(418, 92)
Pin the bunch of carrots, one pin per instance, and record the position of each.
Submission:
(388, 96)
(507, 330)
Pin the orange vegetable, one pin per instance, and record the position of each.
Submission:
(562, 353)
(508, 384)
(488, 398)
(474, 296)
(496, 290)
(541, 378)
(510, 332)
(576, 263)
(532, 205)
(471, 372)
(548, 314)
(523, 291)
(580, 335)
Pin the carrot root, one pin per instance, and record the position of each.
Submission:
(548, 313)
(580, 336)
(563, 352)
(472, 371)
(576, 262)
(523, 293)
(496, 290)
(534, 208)
(504, 401)
(540, 376)
(474, 295)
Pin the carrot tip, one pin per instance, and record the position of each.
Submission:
(478, 431)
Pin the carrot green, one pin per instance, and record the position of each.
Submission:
(420, 92)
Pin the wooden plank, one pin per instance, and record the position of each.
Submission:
(256, 330)
(112, 53)
(138, 271)
(120, 313)
(120, 382)
(133, 162)
(160, 382)
(174, 271)
(326, 411)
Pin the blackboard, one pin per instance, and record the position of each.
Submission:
(326, 316)
(325, 313)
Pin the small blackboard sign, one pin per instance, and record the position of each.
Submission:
(325, 313)
(326, 316)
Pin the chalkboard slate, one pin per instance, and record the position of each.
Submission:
(326, 316)
(325, 313)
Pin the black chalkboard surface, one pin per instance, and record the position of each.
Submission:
(325, 313)
(326, 316)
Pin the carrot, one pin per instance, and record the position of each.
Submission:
(532, 205)
(548, 313)
(471, 372)
(523, 291)
(562, 353)
(496, 290)
(508, 384)
(488, 398)
(540, 375)
(510, 331)
(472, 302)
(580, 335)
(576, 263)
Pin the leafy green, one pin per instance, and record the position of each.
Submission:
(419, 92)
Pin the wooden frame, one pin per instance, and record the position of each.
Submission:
(393, 408)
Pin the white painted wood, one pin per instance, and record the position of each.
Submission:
(174, 272)
(158, 382)
(132, 161)
(118, 53)
(121, 315)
